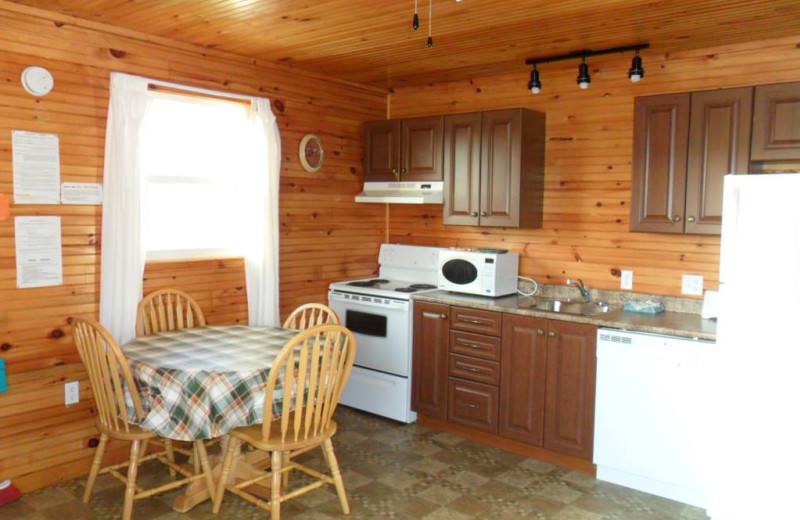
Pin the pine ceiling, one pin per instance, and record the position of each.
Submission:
(372, 41)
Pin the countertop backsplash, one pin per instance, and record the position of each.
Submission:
(615, 298)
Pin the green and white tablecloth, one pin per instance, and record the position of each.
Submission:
(201, 383)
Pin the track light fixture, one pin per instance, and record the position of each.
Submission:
(535, 85)
(583, 74)
(635, 73)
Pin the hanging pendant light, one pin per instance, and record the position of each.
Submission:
(637, 72)
(535, 85)
(583, 74)
(430, 23)
(415, 23)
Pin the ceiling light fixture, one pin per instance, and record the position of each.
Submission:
(415, 23)
(535, 85)
(635, 73)
(583, 74)
(430, 23)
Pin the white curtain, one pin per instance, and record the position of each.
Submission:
(122, 259)
(261, 254)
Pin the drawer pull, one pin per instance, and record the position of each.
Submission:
(472, 369)
(470, 344)
(472, 320)
(468, 405)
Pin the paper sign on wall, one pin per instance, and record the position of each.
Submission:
(38, 244)
(81, 193)
(37, 169)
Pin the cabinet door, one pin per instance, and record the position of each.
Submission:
(382, 151)
(660, 140)
(462, 169)
(501, 134)
(571, 375)
(776, 122)
(421, 149)
(719, 137)
(522, 378)
(429, 372)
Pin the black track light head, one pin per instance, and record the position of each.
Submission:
(583, 74)
(535, 84)
(636, 72)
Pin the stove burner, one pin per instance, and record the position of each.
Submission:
(368, 283)
(422, 286)
(406, 289)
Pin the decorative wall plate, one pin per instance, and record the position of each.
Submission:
(312, 153)
(37, 81)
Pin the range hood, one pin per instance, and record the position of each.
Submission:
(402, 192)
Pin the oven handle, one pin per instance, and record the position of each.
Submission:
(395, 305)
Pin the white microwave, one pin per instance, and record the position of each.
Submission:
(478, 272)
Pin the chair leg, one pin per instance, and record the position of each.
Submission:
(275, 494)
(196, 460)
(284, 463)
(143, 449)
(170, 455)
(201, 454)
(330, 458)
(130, 487)
(233, 445)
(96, 463)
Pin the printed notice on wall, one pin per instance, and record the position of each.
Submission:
(37, 169)
(38, 243)
(81, 193)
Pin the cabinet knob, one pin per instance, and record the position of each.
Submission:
(551, 333)
(443, 316)
(540, 332)
(473, 214)
(690, 220)
(402, 170)
(676, 218)
(394, 170)
(484, 214)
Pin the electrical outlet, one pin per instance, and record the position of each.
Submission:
(72, 393)
(626, 280)
(692, 284)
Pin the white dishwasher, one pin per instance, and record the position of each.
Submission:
(652, 413)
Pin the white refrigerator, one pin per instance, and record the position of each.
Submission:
(754, 440)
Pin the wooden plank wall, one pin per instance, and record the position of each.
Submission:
(324, 234)
(588, 163)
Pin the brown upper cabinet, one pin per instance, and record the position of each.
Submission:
(684, 145)
(494, 168)
(403, 149)
(776, 122)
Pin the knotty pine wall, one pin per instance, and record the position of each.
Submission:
(324, 234)
(588, 163)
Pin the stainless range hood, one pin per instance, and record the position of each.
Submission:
(402, 192)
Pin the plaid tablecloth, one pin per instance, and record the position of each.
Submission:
(201, 383)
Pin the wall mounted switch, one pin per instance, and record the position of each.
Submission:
(692, 284)
(626, 280)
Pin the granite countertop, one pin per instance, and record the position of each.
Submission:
(668, 322)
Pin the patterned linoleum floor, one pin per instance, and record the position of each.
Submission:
(390, 471)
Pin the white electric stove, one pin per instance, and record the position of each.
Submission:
(379, 312)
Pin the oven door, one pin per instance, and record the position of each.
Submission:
(382, 327)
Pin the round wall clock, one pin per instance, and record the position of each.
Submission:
(312, 153)
(37, 81)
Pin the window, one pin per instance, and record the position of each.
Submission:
(198, 166)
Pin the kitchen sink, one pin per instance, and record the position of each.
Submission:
(573, 307)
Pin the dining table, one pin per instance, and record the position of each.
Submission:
(201, 383)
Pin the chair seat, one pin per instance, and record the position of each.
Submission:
(253, 436)
(134, 432)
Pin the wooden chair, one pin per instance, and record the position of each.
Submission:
(313, 368)
(168, 309)
(310, 315)
(113, 384)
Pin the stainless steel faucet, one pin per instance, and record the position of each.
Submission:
(581, 287)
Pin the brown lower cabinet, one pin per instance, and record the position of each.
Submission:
(532, 380)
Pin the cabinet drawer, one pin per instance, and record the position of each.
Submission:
(474, 320)
(475, 369)
(473, 404)
(476, 345)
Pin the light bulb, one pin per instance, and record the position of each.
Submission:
(535, 90)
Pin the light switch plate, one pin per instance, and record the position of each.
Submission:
(71, 393)
(626, 280)
(692, 284)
